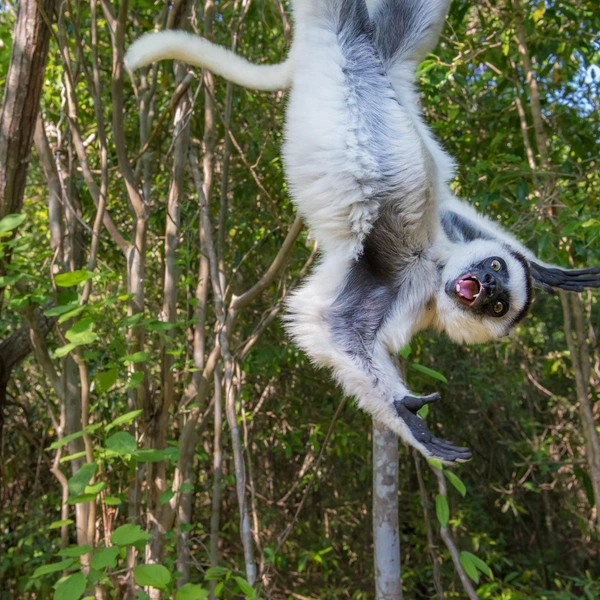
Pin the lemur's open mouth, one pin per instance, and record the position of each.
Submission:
(468, 289)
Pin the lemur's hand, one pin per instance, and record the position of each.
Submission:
(407, 408)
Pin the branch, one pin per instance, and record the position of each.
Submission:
(268, 277)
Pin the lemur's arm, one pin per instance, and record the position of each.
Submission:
(462, 223)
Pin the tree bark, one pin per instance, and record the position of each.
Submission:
(21, 103)
(386, 540)
(21, 100)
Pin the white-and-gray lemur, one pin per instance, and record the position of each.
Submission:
(399, 251)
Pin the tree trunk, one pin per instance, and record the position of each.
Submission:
(21, 100)
(386, 539)
(20, 104)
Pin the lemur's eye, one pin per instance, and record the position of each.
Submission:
(496, 266)
(498, 307)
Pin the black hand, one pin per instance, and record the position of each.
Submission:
(407, 408)
(572, 280)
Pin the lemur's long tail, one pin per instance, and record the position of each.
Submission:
(199, 52)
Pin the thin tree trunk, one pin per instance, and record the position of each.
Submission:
(386, 539)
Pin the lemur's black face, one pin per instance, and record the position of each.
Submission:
(486, 291)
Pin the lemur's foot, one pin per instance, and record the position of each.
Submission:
(407, 408)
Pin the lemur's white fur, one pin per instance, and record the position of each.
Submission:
(199, 52)
(362, 164)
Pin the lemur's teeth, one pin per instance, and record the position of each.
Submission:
(475, 296)
(457, 287)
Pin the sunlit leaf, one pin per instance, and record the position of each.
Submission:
(456, 482)
(10, 222)
(156, 576)
(129, 534)
(191, 591)
(72, 278)
(126, 418)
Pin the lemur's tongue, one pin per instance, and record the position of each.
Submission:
(468, 288)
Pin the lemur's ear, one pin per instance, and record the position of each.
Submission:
(572, 280)
(407, 30)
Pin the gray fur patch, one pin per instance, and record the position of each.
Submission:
(359, 311)
(460, 229)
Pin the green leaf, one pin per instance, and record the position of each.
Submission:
(468, 566)
(442, 510)
(215, 573)
(405, 352)
(81, 479)
(126, 418)
(129, 534)
(104, 380)
(10, 222)
(456, 482)
(191, 591)
(71, 314)
(57, 524)
(156, 576)
(479, 564)
(423, 411)
(75, 456)
(71, 587)
(81, 332)
(166, 496)
(134, 380)
(55, 311)
(246, 588)
(64, 350)
(107, 557)
(121, 443)
(82, 498)
(74, 551)
(156, 455)
(53, 567)
(95, 489)
(436, 463)
(429, 372)
(7, 280)
(135, 358)
(72, 278)
(112, 500)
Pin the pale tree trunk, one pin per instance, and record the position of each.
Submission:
(386, 538)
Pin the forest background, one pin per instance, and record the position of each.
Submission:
(148, 393)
